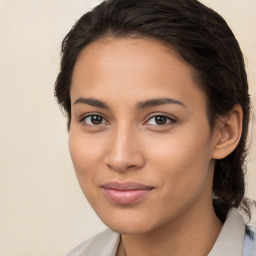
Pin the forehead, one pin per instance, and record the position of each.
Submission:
(132, 68)
(127, 54)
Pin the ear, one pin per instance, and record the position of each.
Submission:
(229, 130)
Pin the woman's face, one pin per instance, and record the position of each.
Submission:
(139, 138)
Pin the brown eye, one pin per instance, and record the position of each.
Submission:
(94, 120)
(161, 120)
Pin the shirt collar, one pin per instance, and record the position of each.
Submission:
(231, 237)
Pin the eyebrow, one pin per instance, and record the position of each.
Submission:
(139, 105)
(157, 102)
(92, 102)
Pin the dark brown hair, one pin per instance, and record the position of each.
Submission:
(204, 40)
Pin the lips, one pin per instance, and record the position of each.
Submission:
(125, 193)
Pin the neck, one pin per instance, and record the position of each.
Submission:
(178, 238)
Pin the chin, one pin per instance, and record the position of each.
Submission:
(129, 221)
(130, 228)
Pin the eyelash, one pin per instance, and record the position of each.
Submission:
(91, 115)
(170, 120)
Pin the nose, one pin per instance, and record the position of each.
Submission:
(124, 151)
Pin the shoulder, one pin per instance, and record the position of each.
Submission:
(250, 242)
(104, 243)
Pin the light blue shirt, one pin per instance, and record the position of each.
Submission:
(250, 242)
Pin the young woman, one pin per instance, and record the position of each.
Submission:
(157, 102)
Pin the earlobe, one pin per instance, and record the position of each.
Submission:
(229, 133)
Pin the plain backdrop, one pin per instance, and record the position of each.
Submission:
(43, 211)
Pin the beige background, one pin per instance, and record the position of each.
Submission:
(42, 209)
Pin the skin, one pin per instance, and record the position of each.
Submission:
(176, 158)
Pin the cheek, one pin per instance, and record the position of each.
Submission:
(182, 162)
(85, 155)
(84, 149)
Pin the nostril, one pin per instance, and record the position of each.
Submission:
(121, 166)
(131, 166)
